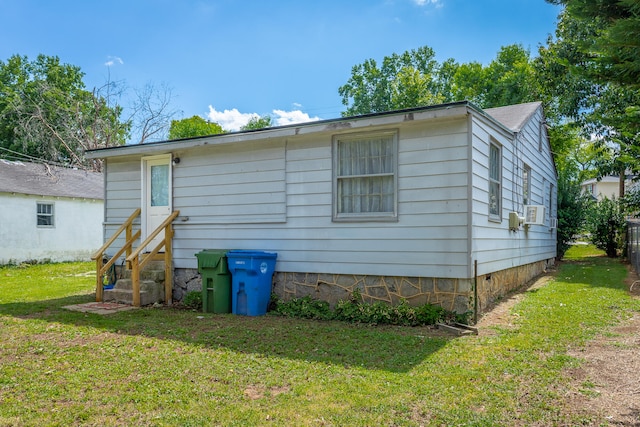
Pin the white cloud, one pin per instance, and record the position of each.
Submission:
(292, 117)
(112, 60)
(436, 3)
(233, 120)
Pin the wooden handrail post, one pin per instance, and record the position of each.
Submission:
(135, 281)
(99, 284)
(99, 255)
(168, 267)
(128, 235)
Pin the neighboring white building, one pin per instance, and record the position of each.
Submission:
(607, 186)
(49, 213)
(412, 204)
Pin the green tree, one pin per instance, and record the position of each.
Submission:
(414, 78)
(570, 69)
(258, 122)
(606, 224)
(572, 211)
(46, 113)
(192, 127)
(401, 81)
(614, 50)
(510, 78)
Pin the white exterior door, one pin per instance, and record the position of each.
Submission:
(157, 195)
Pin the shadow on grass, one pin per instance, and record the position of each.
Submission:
(393, 349)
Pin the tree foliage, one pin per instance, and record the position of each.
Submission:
(613, 51)
(400, 81)
(573, 206)
(606, 225)
(258, 122)
(47, 114)
(577, 70)
(414, 79)
(192, 127)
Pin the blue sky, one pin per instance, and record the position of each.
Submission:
(226, 59)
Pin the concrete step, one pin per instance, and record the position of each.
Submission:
(146, 274)
(145, 285)
(150, 292)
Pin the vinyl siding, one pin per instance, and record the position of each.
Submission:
(122, 196)
(494, 246)
(429, 238)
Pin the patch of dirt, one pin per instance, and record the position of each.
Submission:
(606, 385)
(501, 315)
(254, 392)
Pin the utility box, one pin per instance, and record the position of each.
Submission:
(216, 281)
(252, 274)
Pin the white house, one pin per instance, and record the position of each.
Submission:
(423, 204)
(607, 186)
(49, 213)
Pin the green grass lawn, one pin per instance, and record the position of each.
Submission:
(171, 367)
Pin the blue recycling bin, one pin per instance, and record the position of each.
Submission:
(251, 277)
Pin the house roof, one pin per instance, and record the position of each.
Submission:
(45, 180)
(510, 118)
(608, 178)
(514, 116)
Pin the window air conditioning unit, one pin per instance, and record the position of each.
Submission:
(534, 215)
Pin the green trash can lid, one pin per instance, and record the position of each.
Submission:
(210, 258)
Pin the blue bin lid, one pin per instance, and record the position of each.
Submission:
(241, 253)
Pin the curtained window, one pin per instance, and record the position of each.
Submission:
(365, 176)
(495, 182)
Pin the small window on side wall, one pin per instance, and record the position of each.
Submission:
(495, 182)
(45, 217)
(526, 185)
(365, 177)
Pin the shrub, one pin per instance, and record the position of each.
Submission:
(305, 308)
(193, 299)
(606, 223)
(354, 310)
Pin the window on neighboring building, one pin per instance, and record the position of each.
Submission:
(495, 181)
(365, 168)
(526, 185)
(45, 214)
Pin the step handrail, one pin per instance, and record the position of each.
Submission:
(98, 256)
(136, 264)
(152, 236)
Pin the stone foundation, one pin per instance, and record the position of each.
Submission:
(452, 294)
(185, 280)
(494, 286)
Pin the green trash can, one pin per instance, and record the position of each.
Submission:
(216, 281)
